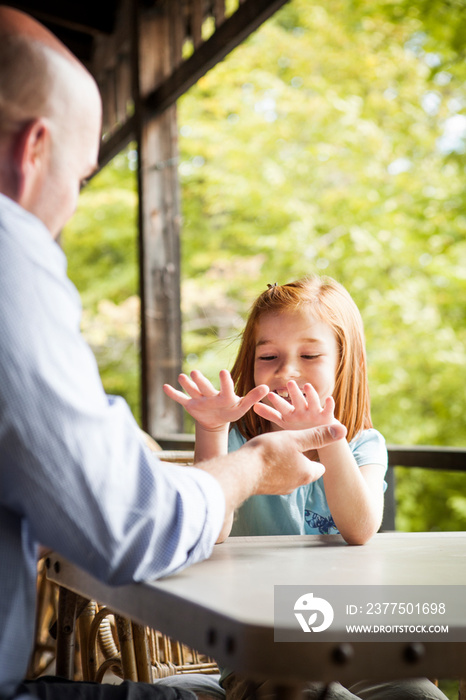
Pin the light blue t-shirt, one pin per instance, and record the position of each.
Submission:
(305, 511)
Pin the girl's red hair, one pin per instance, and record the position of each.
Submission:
(331, 303)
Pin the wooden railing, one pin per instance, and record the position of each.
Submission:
(446, 459)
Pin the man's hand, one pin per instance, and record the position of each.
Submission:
(284, 466)
(273, 463)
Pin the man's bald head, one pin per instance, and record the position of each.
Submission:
(50, 112)
(37, 70)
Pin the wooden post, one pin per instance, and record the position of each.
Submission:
(141, 651)
(196, 22)
(159, 221)
(67, 604)
(128, 657)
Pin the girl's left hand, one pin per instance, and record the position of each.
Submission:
(303, 410)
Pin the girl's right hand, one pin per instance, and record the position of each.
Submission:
(210, 408)
(303, 409)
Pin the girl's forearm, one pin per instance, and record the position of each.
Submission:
(210, 443)
(355, 507)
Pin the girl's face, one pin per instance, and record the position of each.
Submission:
(295, 345)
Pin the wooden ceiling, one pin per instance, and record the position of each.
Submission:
(77, 24)
(114, 40)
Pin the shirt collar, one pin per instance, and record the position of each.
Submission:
(30, 234)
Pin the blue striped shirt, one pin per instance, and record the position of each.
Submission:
(74, 472)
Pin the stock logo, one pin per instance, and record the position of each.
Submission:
(312, 607)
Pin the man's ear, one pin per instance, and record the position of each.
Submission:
(30, 157)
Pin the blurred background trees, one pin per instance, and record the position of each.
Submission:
(332, 141)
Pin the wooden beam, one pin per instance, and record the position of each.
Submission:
(86, 16)
(108, 92)
(196, 22)
(248, 17)
(159, 227)
(117, 141)
(177, 33)
(218, 9)
(124, 95)
(417, 456)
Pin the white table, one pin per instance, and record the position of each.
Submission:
(224, 606)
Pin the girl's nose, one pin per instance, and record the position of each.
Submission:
(288, 369)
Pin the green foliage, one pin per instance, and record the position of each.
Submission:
(101, 246)
(325, 143)
(333, 140)
(428, 501)
(100, 241)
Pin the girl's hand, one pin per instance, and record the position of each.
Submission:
(210, 408)
(303, 410)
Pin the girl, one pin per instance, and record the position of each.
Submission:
(301, 363)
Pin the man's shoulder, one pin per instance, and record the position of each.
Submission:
(24, 237)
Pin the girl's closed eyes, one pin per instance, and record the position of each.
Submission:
(269, 358)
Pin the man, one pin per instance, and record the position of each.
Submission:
(75, 474)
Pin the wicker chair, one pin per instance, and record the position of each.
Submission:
(107, 642)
